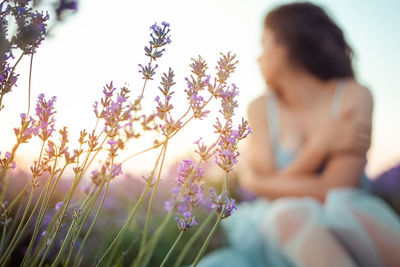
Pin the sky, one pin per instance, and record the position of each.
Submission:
(104, 42)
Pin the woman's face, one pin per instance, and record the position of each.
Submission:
(274, 58)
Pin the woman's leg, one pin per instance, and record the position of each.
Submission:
(374, 227)
(295, 226)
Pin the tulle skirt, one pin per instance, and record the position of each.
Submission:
(352, 228)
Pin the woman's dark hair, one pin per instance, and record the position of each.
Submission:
(314, 41)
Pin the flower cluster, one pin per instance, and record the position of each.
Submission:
(115, 111)
(44, 126)
(26, 130)
(195, 84)
(186, 222)
(167, 81)
(188, 193)
(202, 150)
(8, 78)
(107, 171)
(4, 214)
(65, 5)
(226, 153)
(223, 205)
(4, 162)
(169, 125)
(159, 38)
(31, 28)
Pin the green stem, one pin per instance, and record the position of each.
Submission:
(42, 213)
(70, 230)
(193, 238)
(152, 243)
(3, 235)
(171, 249)
(132, 215)
(205, 244)
(91, 226)
(17, 234)
(126, 225)
(4, 186)
(29, 85)
(64, 210)
(78, 177)
(150, 206)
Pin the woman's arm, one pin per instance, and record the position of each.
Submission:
(336, 135)
(343, 169)
(259, 153)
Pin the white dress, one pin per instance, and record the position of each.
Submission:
(352, 227)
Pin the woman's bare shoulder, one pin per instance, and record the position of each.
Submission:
(257, 104)
(359, 98)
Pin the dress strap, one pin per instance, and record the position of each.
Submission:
(337, 98)
(273, 119)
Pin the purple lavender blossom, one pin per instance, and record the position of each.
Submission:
(115, 111)
(186, 222)
(167, 81)
(59, 205)
(31, 29)
(223, 205)
(44, 110)
(65, 5)
(148, 71)
(226, 153)
(5, 162)
(159, 38)
(188, 193)
(195, 85)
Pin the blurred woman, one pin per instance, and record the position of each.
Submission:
(307, 155)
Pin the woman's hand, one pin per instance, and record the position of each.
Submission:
(343, 134)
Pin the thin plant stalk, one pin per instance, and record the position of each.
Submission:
(17, 234)
(192, 239)
(210, 235)
(205, 244)
(42, 213)
(29, 85)
(171, 249)
(154, 239)
(150, 206)
(91, 226)
(70, 230)
(3, 235)
(77, 179)
(132, 215)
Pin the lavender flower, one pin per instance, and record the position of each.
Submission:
(148, 71)
(115, 111)
(59, 205)
(226, 153)
(223, 205)
(44, 110)
(65, 5)
(186, 222)
(203, 151)
(188, 193)
(31, 28)
(5, 162)
(167, 81)
(195, 85)
(159, 38)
